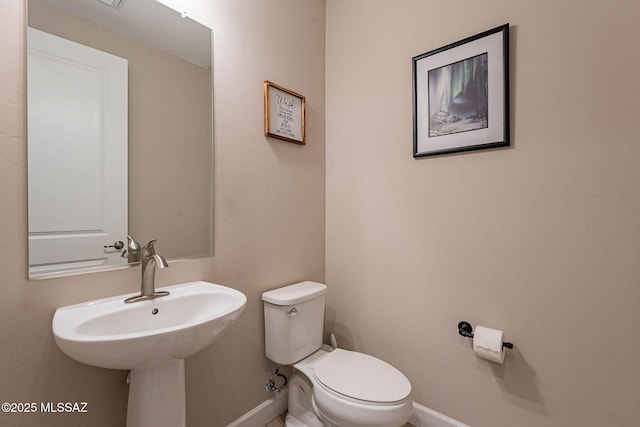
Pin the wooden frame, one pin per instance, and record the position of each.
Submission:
(284, 113)
(461, 95)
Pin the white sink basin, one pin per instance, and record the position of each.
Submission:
(111, 334)
(151, 338)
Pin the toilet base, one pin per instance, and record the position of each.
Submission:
(300, 412)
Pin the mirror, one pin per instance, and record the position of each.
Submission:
(119, 96)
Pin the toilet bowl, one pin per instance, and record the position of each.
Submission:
(355, 389)
(329, 387)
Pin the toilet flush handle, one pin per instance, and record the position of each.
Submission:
(292, 312)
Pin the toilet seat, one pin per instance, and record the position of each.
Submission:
(361, 377)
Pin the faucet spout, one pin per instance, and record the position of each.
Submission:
(160, 261)
(149, 260)
(148, 287)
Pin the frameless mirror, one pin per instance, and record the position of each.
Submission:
(119, 96)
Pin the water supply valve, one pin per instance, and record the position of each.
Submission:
(271, 382)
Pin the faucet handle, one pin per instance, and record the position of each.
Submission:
(132, 252)
(132, 245)
(150, 250)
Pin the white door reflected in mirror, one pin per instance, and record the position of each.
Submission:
(77, 106)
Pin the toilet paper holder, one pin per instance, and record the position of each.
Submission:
(466, 330)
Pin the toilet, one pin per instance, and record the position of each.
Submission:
(329, 387)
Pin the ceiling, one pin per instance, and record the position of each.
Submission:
(149, 22)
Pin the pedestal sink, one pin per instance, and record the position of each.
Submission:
(151, 338)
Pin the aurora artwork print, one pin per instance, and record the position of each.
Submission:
(458, 96)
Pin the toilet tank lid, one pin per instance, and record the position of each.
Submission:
(295, 294)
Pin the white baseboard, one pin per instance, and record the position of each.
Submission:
(425, 417)
(270, 409)
(264, 412)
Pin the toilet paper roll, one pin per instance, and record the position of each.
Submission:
(487, 343)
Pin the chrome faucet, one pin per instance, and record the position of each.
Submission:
(149, 260)
(132, 252)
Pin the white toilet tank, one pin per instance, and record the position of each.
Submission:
(293, 321)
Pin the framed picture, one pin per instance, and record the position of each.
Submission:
(461, 95)
(283, 113)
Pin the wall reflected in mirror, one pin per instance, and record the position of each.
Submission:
(168, 156)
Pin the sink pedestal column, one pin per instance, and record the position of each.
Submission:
(157, 396)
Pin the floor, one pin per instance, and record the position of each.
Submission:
(279, 422)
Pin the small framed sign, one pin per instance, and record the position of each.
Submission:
(283, 113)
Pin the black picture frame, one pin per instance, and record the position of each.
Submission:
(461, 95)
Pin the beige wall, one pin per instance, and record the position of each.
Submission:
(269, 220)
(540, 239)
